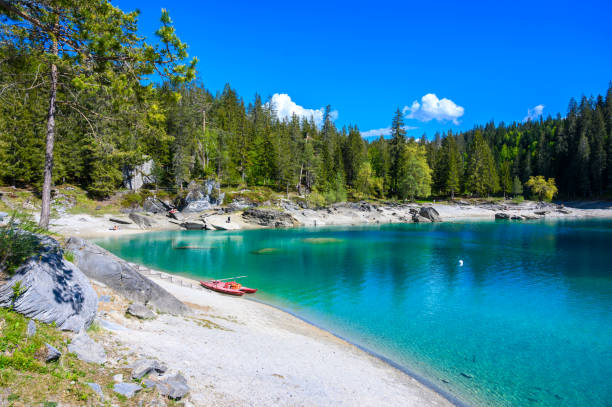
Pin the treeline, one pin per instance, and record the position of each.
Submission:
(107, 119)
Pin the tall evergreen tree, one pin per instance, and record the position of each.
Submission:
(397, 143)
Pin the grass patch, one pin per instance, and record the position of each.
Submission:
(32, 382)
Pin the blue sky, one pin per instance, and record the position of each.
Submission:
(481, 60)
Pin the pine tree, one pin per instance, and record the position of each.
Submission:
(397, 143)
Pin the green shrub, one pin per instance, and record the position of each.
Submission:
(518, 199)
(17, 242)
(315, 199)
(69, 256)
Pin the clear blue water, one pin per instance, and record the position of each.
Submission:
(526, 321)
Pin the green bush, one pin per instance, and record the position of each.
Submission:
(315, 199)
(17, 242)
(518, 199)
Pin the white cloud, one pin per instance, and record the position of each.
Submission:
(432, 108)
(534, 113)
(385, 131)
(286, 108)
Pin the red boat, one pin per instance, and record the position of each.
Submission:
(248, 290)
(221, 287)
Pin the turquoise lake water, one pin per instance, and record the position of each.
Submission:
(527, 320)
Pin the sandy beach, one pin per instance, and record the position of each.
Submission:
(236, 352)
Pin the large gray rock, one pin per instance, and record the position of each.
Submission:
(502, 215)
(430, 213)
(420, 219)
(201, 197)
(269, 217)
(155, 205)
(140, 311)
(144, 222)
(175, 387)
(117, 274)
(87, 349)
(134, 177)
(127, 389)
(52, 290)
(193, 225)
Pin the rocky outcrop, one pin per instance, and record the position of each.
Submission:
(144, 222)
(155, 205)
(86, 349)
(134, 177)
(430, 213)
(269, 217)
(502, 215)
(201, 197)
(110, 270)
(51, 289)
(193, 225)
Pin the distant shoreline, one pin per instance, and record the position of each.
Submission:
(342, 214)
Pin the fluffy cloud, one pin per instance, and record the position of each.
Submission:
(385, 131)
(432, 108)
(286, 108)
(534, 113)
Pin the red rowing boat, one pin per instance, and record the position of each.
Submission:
(229, 287)
(221, 287)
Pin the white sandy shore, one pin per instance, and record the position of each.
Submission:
(236, 352)
(88, 226)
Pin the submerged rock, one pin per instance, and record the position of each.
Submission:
(117, 274)
(51, 289)
(420, 219)
(86, 349)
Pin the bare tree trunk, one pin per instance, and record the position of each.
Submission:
(48, 169)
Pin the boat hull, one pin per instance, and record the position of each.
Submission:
(220, 287)
(248, 290)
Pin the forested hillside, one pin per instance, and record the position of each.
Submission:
(110, 118)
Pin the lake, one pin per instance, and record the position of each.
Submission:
(526, 320)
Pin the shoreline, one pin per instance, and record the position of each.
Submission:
(421, 379)
(168, 278)
(344, 214)
(327, 368)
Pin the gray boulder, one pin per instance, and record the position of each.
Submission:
(430, 213)
(502, 215)
(31, 329)
(127, 389)
(51, 353)
(269, 217)
(144, 222)
(155, 205)
(117, 274)
(175, 387)
(145, 366)
(140, 311)
(86, 349)
(52, 290)
(420, 219)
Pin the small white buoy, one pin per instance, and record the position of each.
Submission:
(460, 263)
